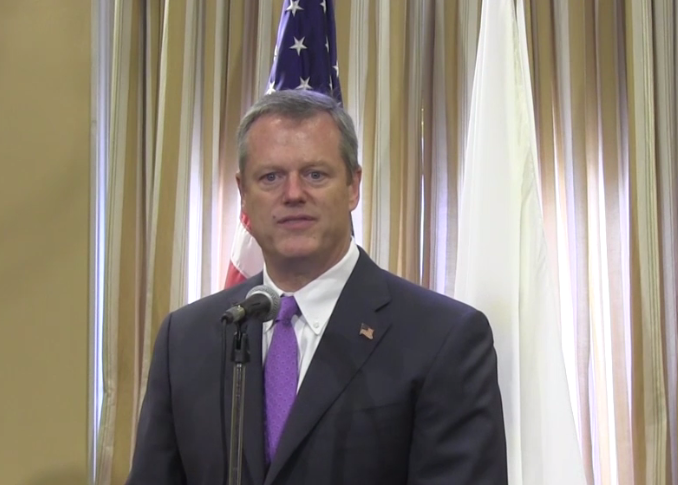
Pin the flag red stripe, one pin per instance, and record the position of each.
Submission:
(233, 276)
(246, 259)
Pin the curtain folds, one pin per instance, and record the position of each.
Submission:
(604, 81)
(163, 229)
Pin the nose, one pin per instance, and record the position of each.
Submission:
(293, 191)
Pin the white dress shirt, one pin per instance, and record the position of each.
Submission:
(316, 303)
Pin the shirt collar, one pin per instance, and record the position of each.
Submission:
(318, 298)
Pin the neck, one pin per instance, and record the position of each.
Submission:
(291, 275)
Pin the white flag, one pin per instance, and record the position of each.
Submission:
(502, 258)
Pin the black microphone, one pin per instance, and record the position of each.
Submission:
(261, 303)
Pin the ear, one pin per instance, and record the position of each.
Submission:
(354, 188)
(241, 189)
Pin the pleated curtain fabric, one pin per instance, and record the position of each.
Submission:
(603, 76)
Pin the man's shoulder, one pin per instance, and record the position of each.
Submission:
(404, 294)
(424, 318)
(408, 293)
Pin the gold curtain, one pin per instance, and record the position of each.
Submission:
(604, 76)
(177, 78)
(604, 80)
(410, 73)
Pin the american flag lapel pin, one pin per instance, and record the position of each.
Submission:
(366, 331)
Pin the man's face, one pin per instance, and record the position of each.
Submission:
(295, 190)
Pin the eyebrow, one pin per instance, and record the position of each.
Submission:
(268, 167)
(318, 163)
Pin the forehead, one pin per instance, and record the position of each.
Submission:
(277, 137)
(288, 130)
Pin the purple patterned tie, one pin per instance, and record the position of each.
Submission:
(281, 373)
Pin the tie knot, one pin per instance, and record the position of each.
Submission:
(288, 308)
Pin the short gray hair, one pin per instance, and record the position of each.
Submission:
(301, 105)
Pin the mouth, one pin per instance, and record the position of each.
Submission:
(296, 222)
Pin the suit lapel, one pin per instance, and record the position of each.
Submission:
(342, 351)
(253, 430)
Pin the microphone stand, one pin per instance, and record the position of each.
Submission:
(240, 356)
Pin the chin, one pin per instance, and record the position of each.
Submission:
(297, 248)
(297, 253)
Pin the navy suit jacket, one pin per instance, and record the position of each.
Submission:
(418, 403)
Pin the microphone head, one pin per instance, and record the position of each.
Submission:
(270, 295)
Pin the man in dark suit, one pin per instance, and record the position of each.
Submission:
(364, 378)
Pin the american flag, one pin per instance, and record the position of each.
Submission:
(305, 58)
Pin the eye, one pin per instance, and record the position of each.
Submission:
(269, 177)
(316, 175)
